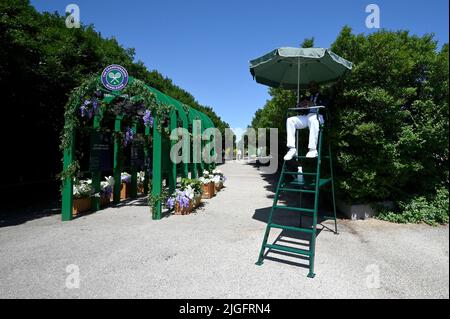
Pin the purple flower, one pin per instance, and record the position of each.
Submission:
(171, 202)
(95, 105)
(148, 119)
(129, 136)
(89, 108)
(183, 200)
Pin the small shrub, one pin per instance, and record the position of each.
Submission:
(432, 211)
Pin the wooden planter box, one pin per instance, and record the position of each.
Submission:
(186, 211)
(218, 186)
(105, 201)
(125, 191)
(81, 205)
(208, 190)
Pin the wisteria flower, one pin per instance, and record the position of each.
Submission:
(129, 136)
(171, 202)
(125, 177)
(148, 119)
(183, 200)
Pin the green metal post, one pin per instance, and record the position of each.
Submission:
(67, 183)
(146, 155)
(133, 172)
(186, 146)
(195, 151)
(95, 174)
(312, 247)
(156, 178)
(332, 189)
(173, 166)
(117, 160)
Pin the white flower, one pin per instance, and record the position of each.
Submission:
(217, 172)
(109, 180)
(189, 191)
(83, 189)
(206, 174)
(104, 185)
(125, 177)
(204, 180)
(141, 177)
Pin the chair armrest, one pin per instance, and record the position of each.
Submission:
(306, 108)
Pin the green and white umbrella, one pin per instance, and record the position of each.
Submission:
(294, 68)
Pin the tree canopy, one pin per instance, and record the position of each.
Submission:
(41, 62)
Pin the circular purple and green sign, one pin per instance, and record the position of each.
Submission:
(115, 77)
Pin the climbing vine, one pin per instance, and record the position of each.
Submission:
(154, 199)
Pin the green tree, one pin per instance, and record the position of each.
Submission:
(389, 117)
(41, 61)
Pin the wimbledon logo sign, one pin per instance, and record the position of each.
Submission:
(115, 77)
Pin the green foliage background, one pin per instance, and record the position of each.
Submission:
(41, 61)
(389, 118)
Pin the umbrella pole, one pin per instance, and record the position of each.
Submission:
(297, 133)
(298, 82)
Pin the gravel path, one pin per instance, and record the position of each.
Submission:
(120, 252)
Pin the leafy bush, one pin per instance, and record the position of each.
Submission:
(419, 209)
(389, 117)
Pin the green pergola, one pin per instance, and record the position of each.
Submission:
(156, 147)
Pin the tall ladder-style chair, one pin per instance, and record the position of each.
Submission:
(311, 183)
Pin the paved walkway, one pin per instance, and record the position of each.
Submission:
(121, 252)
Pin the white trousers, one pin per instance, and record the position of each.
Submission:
(300, 122)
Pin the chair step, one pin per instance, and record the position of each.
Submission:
(304, 210)
(299, 173)
(289, 249)
(302, 230)
(323, 182)
(297, 190)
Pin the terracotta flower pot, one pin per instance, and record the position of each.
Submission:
(197, 201)
(208, 190)
(105, 201)
(124, 191)
(218, 186)
(81, 205)
(184, 210)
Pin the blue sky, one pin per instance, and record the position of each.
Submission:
(204, 45)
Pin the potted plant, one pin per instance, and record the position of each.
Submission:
(219, 179)
(125, 189)
(181, 202)
(106, 190)
(140, 182)
(207, 185)
(192, 186)
(187, 198)
(82, 193)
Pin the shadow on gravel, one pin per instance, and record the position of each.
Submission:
(289, 238)
(13, 217)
